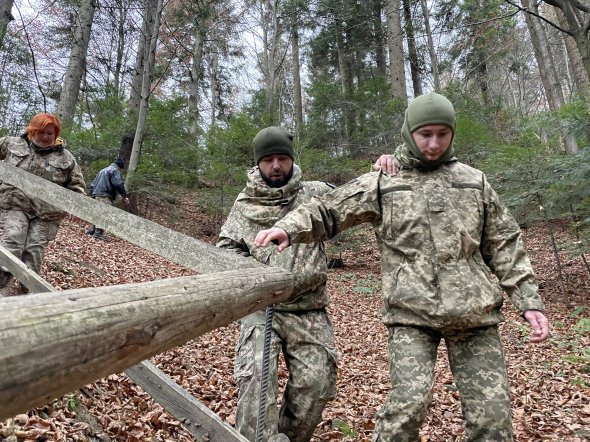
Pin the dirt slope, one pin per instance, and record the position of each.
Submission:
(550, 382)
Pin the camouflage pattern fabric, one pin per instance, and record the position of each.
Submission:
(56, 164)
(443, 235)
(444, 238)
(27, 237)
(300, 327)
(258, 207)
(477, 362)
(307, 342)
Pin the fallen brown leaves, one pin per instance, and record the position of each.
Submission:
(550, 383)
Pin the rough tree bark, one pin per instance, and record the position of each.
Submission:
(549, 77)
(431, 51)
(77, 64)
(395, 45)
(5, 18)
(295, 72)
(412, 51)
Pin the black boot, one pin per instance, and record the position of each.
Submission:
(99, 234)
(5, 278)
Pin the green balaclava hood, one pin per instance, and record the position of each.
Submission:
(427, 109)
(273, 141)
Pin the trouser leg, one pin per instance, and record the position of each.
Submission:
(310, 356)
(412, 356)
(39, 235)
(479, 369)
(248, 375)
(99, 232)
(16, 227)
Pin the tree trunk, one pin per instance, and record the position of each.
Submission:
(576, 17)
(193, 96)
(142, 46)
(395, 45)
(5, 18)
(581, 80)
(431, 51)
(121, 31)
(412, 51)
(77, 64)
(549, 77)
(126, 147)
(148, 66)
(295, 69)
(378, 38)
(215, 96)
(345, 70)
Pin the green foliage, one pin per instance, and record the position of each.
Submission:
(345, 428)
(229, 151)
(578, 311)
(319, 165)
(583, 327)
(98, 140)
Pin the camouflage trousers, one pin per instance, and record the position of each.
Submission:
(27, 237)
(307, 342)
(477, 361)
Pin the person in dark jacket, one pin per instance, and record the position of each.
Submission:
(449, 248)
(105, 188)
(31, 223)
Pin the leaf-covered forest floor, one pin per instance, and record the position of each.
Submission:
(550, 382)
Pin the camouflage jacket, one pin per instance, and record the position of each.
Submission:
(55, 164)
(443, 235)
(258, 207)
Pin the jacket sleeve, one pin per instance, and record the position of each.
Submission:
(117, 183)
(76, 181)
(229, 235)
(3, 149)
(503, 250)
(325, 216)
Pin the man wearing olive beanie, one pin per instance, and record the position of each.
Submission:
(450, 250)
(273, 141)
(300, 327)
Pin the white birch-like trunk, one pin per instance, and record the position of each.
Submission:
(151, 38)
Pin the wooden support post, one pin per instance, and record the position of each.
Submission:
(19, 269)
(201, 422)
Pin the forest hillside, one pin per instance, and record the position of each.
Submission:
(550, 382)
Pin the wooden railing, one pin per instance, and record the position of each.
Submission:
(52, 343)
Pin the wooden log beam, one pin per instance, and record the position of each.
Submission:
(198, 420)
(24, 274)
(178, 248)
(201, 422)
(52, 343)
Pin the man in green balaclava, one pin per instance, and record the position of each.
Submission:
(443, 235)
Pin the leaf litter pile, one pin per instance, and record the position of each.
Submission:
(550, 382)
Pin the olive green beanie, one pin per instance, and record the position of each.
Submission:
(273, 140)
(431, 108)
